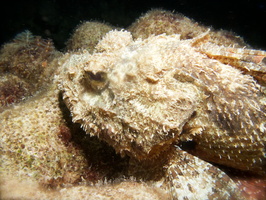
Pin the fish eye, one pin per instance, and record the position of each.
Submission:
(99, 76)
(96, 81)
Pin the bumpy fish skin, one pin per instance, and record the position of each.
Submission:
(143, 96)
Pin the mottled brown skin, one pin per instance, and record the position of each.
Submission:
(145, 96)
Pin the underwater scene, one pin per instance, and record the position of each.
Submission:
(122, 100)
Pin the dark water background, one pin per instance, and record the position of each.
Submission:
(56, 19)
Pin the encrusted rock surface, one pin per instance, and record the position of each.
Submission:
(27, 64)
(31, 144)
(87, 35)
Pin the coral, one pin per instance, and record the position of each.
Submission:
(124, 190)
(13, 89)
(29, 189)
(26, 65)
(156, 22)
(30, 143)
(87, 35)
